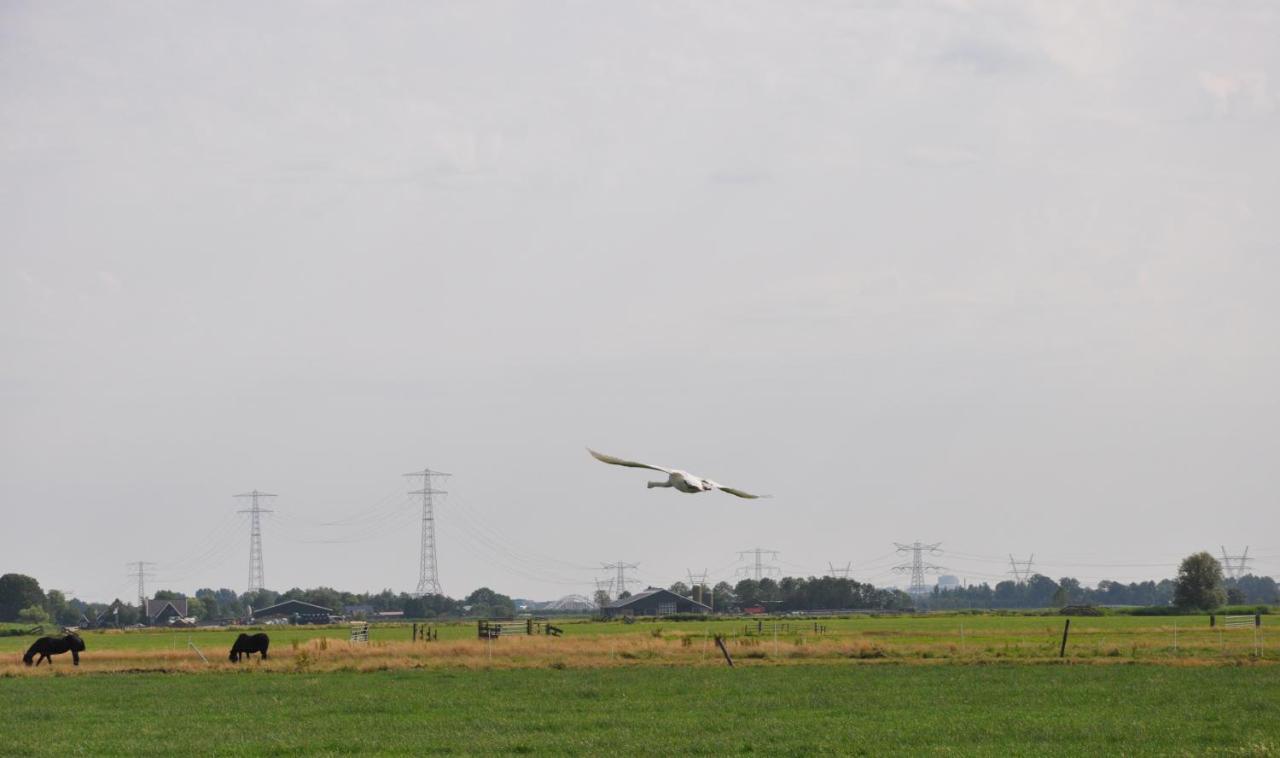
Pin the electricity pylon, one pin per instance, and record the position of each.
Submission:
(918, 567)
(621, 568)
(1021, 570)
(758, 569)
(140, 571)
(1236, 566)
(256, 581)
(428, 570)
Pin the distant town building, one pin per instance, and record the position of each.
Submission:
(948, 582)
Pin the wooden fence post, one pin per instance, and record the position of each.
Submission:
(720, 644)
(1062, 651)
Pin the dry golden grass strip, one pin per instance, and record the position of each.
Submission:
(323, 654)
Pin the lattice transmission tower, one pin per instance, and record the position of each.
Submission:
(428, 570)
(1236, 566)
(917, 566)
(841, 572)
(140, 573)
(256, 581)
(620, 581)
(1021, 570)
(758, 568)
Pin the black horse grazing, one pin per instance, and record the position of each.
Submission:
(247, 644)
(47, 647)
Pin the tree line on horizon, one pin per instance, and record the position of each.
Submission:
(1200, 585)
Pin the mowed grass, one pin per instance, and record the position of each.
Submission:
(999, 709)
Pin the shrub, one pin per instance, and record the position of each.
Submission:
(33, 614)
(1245, 610)
(1080, 610)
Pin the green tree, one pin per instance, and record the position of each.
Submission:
(18, 591)
(680, 588)
(1258, 589)
(55, 602)
(33, 614)
(229, 605)
(747, 592)
(1199, 583)
(259, 599)
(723, 596)
(486, 602)
(209, 600)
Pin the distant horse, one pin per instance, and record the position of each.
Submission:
(247, 644)
(47, 647)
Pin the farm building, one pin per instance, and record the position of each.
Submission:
(160, 612)
(295, 611)
(654, 601)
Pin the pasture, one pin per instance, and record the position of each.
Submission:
(1001, 709)
(961, 684)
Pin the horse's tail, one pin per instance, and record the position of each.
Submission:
(31, 653)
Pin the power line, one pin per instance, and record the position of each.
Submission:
(428, 570)
(478, 542)
(917, 566)
(256, 580)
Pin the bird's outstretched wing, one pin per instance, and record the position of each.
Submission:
(737, 492)
(619, 462)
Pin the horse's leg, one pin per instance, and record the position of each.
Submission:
(75, 657)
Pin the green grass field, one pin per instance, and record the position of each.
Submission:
(1002, 709)
(958, 684)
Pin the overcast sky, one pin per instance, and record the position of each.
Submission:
(1002, 277)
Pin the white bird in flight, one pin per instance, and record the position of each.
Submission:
(681, 480)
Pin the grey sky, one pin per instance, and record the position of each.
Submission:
(998, 276)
